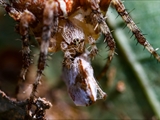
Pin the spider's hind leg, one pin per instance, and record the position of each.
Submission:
(133, 27)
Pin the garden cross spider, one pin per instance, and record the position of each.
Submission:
(69, 25)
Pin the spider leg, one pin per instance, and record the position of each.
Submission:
(97, 18)
(133, 27)
(3, 3)
(26, 19)
(11, 11)
(47, 32)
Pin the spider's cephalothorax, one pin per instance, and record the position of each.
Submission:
(68, 25)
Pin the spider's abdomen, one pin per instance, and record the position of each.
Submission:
(61, 7)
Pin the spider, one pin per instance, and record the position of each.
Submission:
(69, 25)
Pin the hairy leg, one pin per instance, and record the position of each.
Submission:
(98, 20)
(26, 19)
(47, 32)
(133, 27)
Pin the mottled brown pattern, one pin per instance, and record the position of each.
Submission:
(49, 21)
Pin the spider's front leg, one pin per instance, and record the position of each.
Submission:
(133, 27)
(98, 20)
(49, 20)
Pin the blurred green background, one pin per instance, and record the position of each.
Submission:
(132, 82)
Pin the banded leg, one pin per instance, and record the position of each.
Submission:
(26, 19)
(47, 32)
(99, 20)
(133, 27)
